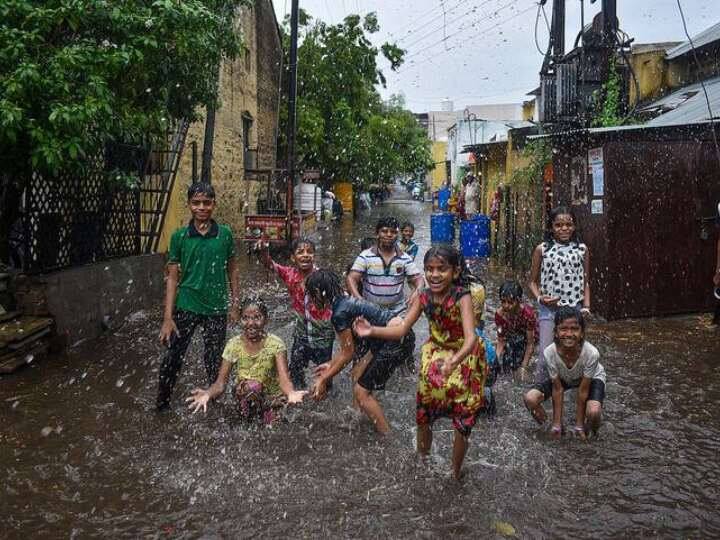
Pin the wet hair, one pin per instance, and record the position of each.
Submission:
(552, 216)
(256, 301)
(511, 289)
(407, 224)
(454, 258)
(302, 241)
(324, 286)
(201, 188)
(564, 313)
(387, 221)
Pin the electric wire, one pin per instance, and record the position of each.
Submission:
(428, 59)
(421, 17)
(702, 83)
(537, 20)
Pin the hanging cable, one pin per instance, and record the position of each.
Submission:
(537, 20)
(702, 83)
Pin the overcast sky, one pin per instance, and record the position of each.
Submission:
(483, 51)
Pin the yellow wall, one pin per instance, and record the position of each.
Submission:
(344, 192)
(651, 71)
(437, 175)
(493, 169)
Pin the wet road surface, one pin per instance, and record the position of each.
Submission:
(84, 455)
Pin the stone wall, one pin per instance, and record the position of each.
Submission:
(87, 300)
(248, 87)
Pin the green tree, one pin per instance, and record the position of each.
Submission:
(344, 129)
(74, 73)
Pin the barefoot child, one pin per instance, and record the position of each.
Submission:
(572, 363)
(313, 335)
(452, 373)
(515, 323)
(201, 261)
(259, 363)
(325, 289)
(559, 275)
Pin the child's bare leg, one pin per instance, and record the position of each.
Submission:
(371, 407)
(356, 372)
(593, 415)
(424, 439)
(533, 401)
(460, 446)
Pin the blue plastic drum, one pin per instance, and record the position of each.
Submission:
(475, 236)
(442, 228)
(443, 199)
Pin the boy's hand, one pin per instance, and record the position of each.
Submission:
(362, 328)
(167, 331)
(319, 389)
(296, 396)
(320, 369)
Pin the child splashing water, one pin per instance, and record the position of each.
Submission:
(516, 330)
(259, 361)
(453, 370)
(572, 362)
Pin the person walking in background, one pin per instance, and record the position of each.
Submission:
(559, 276)
(472, 196)
(201, 261)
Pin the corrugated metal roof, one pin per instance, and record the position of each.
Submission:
(703, 38)
(686, 106)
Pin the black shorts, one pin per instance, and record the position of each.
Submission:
(381, 366)
(597, 389)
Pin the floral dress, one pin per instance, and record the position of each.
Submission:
(460, 396)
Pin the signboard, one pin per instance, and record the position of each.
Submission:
(596, 206)
(274, 227)
(596, 170)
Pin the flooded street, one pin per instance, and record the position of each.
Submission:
(85, 455)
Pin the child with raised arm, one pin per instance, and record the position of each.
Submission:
(201, 261)
(259, 363)
(325, 289)
(453, 370)
(313, 335)
(572, 362)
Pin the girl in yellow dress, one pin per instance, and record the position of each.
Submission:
(453, 370)
(259, 361)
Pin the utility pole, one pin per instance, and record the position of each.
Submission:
(292, 117)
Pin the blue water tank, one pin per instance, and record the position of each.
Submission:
(475, 236)
(442, 228)
(443, 199)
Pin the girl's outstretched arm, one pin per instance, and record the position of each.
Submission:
(391, 333)
(558, 394)
(586, 290)
(286, 385)
(583, 392)
(467, 316)
(534, 284)
(200, 397)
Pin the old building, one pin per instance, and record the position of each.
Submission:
(246, 125)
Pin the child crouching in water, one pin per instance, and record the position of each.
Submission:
(516, 330)
(572, 362)
(259, 361)
(453, 370)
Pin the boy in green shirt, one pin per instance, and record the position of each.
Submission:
(200, 260)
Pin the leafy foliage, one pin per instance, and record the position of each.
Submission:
(609, 114)
(76, 73)
(344, 129)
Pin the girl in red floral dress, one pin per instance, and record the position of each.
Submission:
(453, 370)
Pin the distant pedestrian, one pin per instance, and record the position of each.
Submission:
(471, 196)
(452, 374)
(516, 325)
(572, 362)
(379, 275)
(406, 243)
(559, 276)
(325, 290)
(313, 334)
(259, 363)
(201, 261)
